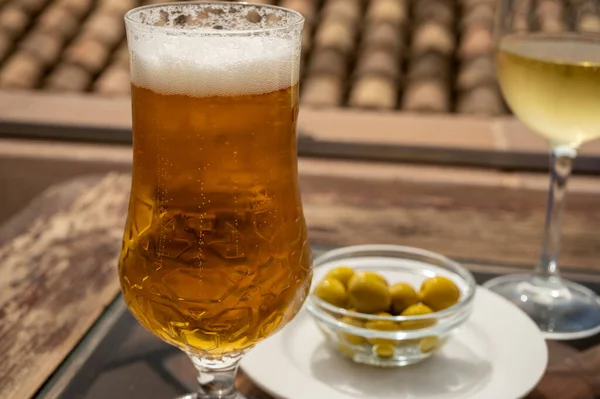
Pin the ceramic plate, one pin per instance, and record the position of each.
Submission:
(498, 353)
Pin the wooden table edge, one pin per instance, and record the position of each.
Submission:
(499, 142)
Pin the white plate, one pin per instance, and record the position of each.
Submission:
(498, 353)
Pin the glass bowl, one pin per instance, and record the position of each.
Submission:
(416, 337)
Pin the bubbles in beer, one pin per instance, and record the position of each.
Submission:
(222, 260)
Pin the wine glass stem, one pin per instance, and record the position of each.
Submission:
(561, 162)
(216, 378)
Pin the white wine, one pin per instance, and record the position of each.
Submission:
(553, 86)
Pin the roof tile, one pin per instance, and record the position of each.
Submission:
(13, 20)
(22, 70)
(415, 55)
(68, 78)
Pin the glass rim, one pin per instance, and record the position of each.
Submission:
(128, 17)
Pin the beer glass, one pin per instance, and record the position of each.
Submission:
(215, 257)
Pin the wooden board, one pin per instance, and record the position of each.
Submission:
(473, 215)
(58, 272)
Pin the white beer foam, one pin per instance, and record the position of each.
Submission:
(214, 65)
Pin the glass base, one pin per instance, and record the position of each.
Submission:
(562, 309)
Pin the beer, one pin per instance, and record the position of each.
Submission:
(553, 85)
(215, 256)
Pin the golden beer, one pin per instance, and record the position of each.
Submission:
(215, 256)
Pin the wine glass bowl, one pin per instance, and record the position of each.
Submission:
(548, 66)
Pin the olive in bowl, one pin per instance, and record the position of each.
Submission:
(387, 305)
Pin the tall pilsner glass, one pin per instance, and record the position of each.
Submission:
(548, 65)
(215, 257)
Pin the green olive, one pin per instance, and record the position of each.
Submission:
(384, 350)
(403, 295)
(416, 310)
(428, 344)
(352, 338)
(342, 273)
(375, 276)
(382, 325)
(439, 293)
(368, 294)
(331, 291)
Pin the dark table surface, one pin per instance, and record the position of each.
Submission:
(119, 359)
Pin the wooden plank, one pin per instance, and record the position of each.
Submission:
(27, 167)
(474, 215)
(42, 114)
(52, 290)
(500, 142)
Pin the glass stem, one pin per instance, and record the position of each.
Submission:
(216, 377)
(561, 163)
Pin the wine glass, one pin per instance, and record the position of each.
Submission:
(215, 256)
(548, 66)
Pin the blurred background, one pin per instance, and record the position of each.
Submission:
(404, 139)
(429, 56)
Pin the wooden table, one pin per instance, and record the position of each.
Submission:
(65, 334)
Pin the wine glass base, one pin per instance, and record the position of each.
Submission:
(562, 309)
